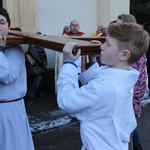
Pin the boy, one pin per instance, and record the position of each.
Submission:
(104, 104)
(15, 132)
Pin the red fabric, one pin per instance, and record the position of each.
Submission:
(71, 34)
(102, 35)
(140, 86)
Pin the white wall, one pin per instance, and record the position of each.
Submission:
(55, 14)
(108, 10)
(121, 8)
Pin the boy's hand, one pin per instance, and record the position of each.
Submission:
(95, 42)
(68, 54)
(2, 41)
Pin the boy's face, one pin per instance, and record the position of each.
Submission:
(110, 53)
(3, 26)
(3, 30)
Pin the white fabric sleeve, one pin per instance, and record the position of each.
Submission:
(88, 74)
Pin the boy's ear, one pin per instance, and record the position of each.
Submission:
(125, 55)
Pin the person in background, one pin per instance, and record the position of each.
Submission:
(147, 28)
(65, 29)
(103, 105)
(74, 31)
(38, 61)
(15, 132)
(140, 86)
(100, 32)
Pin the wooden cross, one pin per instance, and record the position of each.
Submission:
(56, 43)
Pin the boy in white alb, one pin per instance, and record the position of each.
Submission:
(103, 105)
(15, 132)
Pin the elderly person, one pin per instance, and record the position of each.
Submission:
(65, 29)
(74, 31)
(100, 32)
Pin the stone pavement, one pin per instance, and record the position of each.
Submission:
(44, 115)
(144, 127)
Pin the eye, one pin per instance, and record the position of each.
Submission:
(3, 22)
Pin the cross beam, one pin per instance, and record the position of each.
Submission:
(55, 43)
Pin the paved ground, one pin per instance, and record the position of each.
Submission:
(144, 127)
(52, 129)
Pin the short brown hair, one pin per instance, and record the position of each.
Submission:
(130, 36)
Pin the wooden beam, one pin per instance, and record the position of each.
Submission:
(55, 43)
(101, 39)
(12, 39)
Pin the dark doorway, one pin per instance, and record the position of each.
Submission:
(1, 3)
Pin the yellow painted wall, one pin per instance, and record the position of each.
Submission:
(23, 14)
(108, 10)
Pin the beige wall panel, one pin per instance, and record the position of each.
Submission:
(103, 11)
(108, 10)
(14, 11)
(9, 5)
(23, 14)
(120, 7)
(29, 15)
(16, 14)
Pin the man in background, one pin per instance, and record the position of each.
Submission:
(74, 31)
